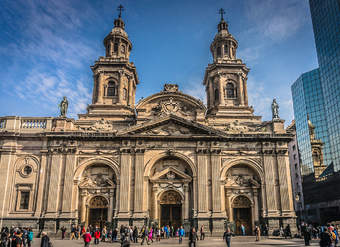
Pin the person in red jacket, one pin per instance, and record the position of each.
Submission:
(96, 236)
(87, 239)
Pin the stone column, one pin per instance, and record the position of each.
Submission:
(111, 205)
(124, 202)
(268, 165)
(221, 90)
(186, 202)
(245, 91)
(240, 91)
(120, 87)
(215, 181)
(100, 87)
(155, 202)
(211, 92)
(83, 207)
(286, 193)
(256, 205)
(41, 177)
(53, 191)
(139, 174)
(67, 195)
(202, 174)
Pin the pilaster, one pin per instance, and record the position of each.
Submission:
(125, 188)
(202, 174)
(139, 173)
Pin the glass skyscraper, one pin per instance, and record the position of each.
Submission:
(308, 99)
(317, 93)
(326, 26)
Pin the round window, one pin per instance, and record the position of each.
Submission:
(27, 170)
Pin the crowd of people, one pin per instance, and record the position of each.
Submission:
(328, 235)
(16, 236)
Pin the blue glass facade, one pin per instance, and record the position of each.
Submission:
(326, 25)
(317, 92)
(308, 99)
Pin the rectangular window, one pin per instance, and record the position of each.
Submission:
(24, 199)
(115, 47)
(294, 147)
(294, 156)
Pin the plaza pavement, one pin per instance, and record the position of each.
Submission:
(208, 242)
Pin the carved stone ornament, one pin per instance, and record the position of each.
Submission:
(100, 125)
(171, 197)
(239, 180)
(172, 106)
(170, 175)
(170, 88)
(98, 202)
(167, 130)
(237, 127)
(241, 202)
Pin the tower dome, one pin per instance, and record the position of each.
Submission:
(117, 43)
(224, 44)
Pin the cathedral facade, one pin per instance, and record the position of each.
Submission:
(167, 160)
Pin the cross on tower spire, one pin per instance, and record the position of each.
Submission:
(120, 9)
(221, 12)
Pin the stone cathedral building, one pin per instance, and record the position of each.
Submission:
(168, 159)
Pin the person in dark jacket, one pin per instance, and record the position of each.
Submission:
(227, 236)
(325, 239)
(135, 234)
(193, 237)
(45, 240)
(305, 230)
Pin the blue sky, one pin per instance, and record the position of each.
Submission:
(47, 46)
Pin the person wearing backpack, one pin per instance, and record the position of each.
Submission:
(87, 239)
(29, 237)
(325, 238)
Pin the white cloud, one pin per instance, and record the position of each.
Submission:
(277, 20)
(196, 89)
(56, 50)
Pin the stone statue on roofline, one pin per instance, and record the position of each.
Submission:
(275, 110)
(63, 107)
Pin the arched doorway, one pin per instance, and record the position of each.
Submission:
(171, 188)
(97, 195)
(241, 207)
(98, 209)
(171, 209)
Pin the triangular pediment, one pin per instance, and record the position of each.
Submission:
(171, 174)
(171, 126)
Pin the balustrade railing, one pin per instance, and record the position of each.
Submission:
(2, 123)
(33, 123)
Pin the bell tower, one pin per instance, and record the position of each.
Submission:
(225, 79)
(115, 77)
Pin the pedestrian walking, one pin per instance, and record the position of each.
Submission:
(29, 237)
(45, 240)
(243, 230)
(325, 238)
(193, 237)
(135, 234)
(96, 236)
(202, 232)
(87, 239)
(305, 230)
(63, 232)
(181, 234)
(257, 232)
(227, 236)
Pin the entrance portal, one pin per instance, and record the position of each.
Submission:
(242, 215)
(98, 211)
(171, 209)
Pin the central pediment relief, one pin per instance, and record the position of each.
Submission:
(170, 174)
(171, 126)
(170, 101)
